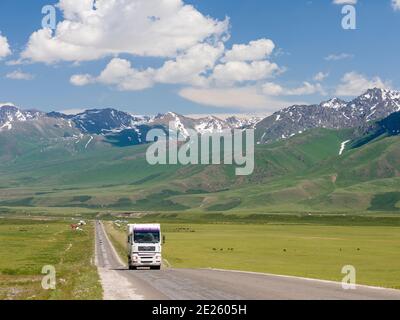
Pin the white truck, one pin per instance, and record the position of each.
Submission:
(144, 246)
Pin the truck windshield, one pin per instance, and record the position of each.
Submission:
(144, 236)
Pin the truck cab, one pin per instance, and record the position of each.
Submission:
(144, 246)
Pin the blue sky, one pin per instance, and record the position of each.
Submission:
(304, 34)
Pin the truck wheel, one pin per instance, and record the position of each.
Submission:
(132, 268)
(156, 268)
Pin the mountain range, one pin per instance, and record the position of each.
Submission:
(333, 157)
(373, 105)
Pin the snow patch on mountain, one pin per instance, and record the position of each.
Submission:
(343, 146)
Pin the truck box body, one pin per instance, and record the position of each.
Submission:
(144, 246)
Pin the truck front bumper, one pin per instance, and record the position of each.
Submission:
(146, 260)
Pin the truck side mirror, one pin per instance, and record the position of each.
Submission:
(163, 239)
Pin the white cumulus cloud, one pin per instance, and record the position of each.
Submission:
(306, 88)
(191, 67)
(201, 65)
(396, 4)
(255, 50)
(191, 45)
(95, 29)
(321, 76)
(4, 47)
(340, 56)
(81, 79)
(244, 98)
(354, 84)
(19, 75)
(119, 72)
(240, 71)
(344, 1)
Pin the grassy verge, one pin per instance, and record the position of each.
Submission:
(299, 250)
(27, 246)
(117, 237)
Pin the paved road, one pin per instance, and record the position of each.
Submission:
(185, 284)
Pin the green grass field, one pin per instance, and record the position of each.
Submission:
(312, 251)
(28, 245)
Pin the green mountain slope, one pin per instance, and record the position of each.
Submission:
(299, 175)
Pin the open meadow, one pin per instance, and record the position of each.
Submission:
(28, 245)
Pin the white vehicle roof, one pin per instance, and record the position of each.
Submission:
(152, 227)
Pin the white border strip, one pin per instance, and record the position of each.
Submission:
(302, 278)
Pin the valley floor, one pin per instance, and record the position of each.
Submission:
(318, 252)
(285, 247)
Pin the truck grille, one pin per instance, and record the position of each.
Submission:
(147, 249)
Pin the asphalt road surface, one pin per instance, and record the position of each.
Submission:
(187, 284)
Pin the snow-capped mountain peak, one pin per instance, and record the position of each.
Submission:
(10, 114)
(6, 104)
(372, 105)
(211, 124)
(99, 121)
(334, 103)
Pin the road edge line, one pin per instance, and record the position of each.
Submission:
(302, 278)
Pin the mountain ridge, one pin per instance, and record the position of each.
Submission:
(373, 105)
